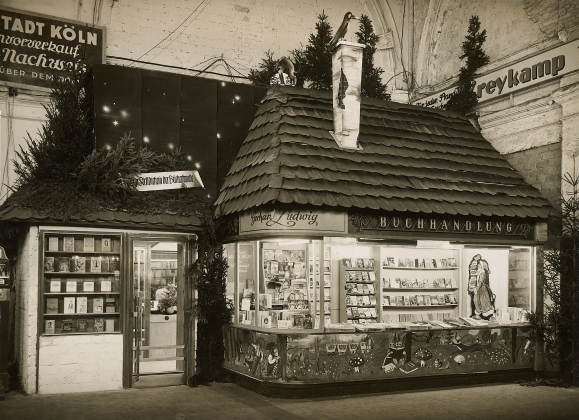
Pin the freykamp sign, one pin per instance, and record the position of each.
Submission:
(293, 220)
(154, 181)
(34, 49)
(361, 222)
(552, 63)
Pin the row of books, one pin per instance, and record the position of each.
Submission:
(366, 263)
(355, 312)
(360, 288)
(85, 244)
(400, 283)
(419, 262)
(276, 319)
(71, 286)
(80, 305)
(360, 276)
(281, 267)
(420, 300)
(365, 300)
(78, 264)
(80, 325)
(394, 318)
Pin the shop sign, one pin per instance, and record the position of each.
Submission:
(154, 181)
(270, 220)
(362, 222)
(553, 63)
(34, 48)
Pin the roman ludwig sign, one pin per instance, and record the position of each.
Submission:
(553, 63)
(154, 181)
(361, 222)
(34, 48)
(292, 220)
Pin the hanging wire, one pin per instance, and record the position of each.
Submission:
(172, 32)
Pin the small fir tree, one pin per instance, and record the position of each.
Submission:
(265, 71)
(318, 68)
(465, 98)
(372, 85)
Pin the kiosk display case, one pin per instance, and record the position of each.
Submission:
(81, 283)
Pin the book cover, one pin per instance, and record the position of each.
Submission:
(78, 264)
(406, 300)
(81, 305)
(401, 262)
(409, 262)
(439, 263)
(66, 325)
(413, 300)
(99, 325)
(109, 325)
(49, 326)
(372, 276)
(373, 300)
(373, 312)
(366, 300)
(53, 243)
(427, 301)
(69, 305)
(427, 263)
(95, 264)
(52, 306)
(71, 286)
(386, 301)
(447, 283)
(441, 300)
(49, 264)
(386, 283)
(451, 262)
(82, 325)
(98, 304)
(365, 276)
(371, 288)
(64, 264)
(359, 263)
(433, 263)
(453, 299)
(349, 312)
(355, 312)
(347, 262)
(420, 300)
(68, 244)
(88, 286)
(106, 286)
(391, 262)
(444, 262)
(403, 283)
(88, 244)
(367, 312)
(360, 300)
(106, 245)
(434, 299)
(365, 289)
(435, 283)
(55, 286)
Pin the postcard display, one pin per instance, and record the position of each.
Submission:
(419, 284)
(286, 298)
(81, 283)
(358, 291)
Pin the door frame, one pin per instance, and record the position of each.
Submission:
(189, 331)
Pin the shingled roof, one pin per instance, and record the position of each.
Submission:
(414, 159)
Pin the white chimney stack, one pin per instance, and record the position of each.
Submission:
(346, 93)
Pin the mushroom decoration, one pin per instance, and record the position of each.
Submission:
(423, 355)
(459, 359)
(356, 362)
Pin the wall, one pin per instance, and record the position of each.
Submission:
(80, 363)
(26, 284)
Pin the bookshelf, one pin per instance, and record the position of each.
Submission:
(358, 292)
(419, 284)
(81, 283)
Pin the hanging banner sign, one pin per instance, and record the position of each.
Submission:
(293, 220)
(154, 181)
(361, 222)
(35, 49)
(553, 63)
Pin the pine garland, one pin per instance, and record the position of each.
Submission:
(372, 85)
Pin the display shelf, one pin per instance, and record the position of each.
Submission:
(407, 289)
(420, 306)
(352, 282)
(80, 258)
(421, 268)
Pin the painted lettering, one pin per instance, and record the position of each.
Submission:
(479, 227)
(432, 224)
(509, 227)
(443, 225)
(558, 64)
(408, 223)
(501, 83)
(491, 85)
(420, 223)
(456, 224)
(383, 221)
(468, 225)
(525, 75)
(479, 89)
(541, 69)
(55, 31)
(513, 78)
(396, 221)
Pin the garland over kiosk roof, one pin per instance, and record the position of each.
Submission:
(411, 159)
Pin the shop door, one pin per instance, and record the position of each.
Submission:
(158, 344)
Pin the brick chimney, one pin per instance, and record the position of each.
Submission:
(346, 93)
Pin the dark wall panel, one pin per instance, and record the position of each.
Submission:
(234, 117)
(117, 104)
(161, 102)
(198, 135)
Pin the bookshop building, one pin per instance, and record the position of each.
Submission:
(376, 246)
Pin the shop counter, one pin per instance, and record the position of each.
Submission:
(334, 362)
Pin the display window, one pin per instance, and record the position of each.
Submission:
(276, 283)
(310, 284)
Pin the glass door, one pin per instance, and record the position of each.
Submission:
(158, 345)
